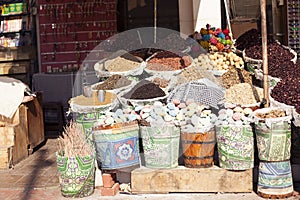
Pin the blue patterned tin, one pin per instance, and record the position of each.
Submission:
(118, 146)
(275, 179)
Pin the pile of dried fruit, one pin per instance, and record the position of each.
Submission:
(276, 52)
(287, 91)
(250, 38)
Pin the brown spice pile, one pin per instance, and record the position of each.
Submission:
(144, 90)
(113, 82)
(168, 61)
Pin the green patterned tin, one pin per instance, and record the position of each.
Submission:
(235, 147)
(273, 140)
(161, 146)
(87, 120)
(76, 175)
(273, 133)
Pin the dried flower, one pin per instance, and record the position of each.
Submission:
(73, 143)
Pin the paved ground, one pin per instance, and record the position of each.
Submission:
(36, 178)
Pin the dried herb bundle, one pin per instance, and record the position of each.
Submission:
(72, 142)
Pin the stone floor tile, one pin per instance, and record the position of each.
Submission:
(9, 180)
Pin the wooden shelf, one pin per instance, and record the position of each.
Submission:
(183, 179)
(14, 67)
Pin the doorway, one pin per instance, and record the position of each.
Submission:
(140, 13)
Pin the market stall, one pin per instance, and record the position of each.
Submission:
(171, 115)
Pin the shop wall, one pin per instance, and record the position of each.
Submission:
(69, 30)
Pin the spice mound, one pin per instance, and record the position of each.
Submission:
(93, 101)
(144, 90)
(113, 82)
(168, 61)
(161, 82)
(122, 64)
(243, 94)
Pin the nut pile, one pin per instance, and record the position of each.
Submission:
(243, 94)
(220, 61)
(235, 76)
(189, 74)
(271, 114)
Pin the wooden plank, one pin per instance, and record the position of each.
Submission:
(35, 121)
(182, 179)
(20, 148)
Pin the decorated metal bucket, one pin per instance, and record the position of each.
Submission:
(275, 180)
(273, 141)
(76, 175)
(273, 134)
(235, 147)
(117, 146)
(87, 120)
(161, 146)
(198, 148)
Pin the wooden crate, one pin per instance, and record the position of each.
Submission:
(35, 122)
(15, 120)
(23, 132)
(7, 136)
(20, 147)
(5, 157)
(15, 136)
(182, 179)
